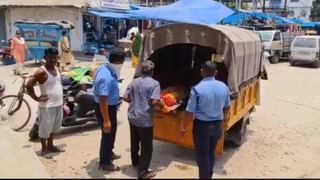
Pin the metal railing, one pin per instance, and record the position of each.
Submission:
(152, 3)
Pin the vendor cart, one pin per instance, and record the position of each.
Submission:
(42, 35)
(178, 50)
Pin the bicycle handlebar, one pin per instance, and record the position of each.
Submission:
(25, 75)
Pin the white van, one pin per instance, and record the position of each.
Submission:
(273, 43)
(277, 43)
(305, 49)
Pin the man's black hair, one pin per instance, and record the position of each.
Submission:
(117, 55)
(210, 68)
(51, 51)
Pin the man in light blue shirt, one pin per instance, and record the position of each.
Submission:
(106, 84)
(209, 105)
(106, 95)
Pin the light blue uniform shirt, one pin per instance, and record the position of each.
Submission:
(208, 99)
(106, 84)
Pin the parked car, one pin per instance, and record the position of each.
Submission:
(277, 43)
(305, 50)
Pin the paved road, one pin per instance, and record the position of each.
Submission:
(283, 139)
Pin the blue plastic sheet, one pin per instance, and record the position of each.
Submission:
(304, 24)
(118, 15)
(187, 11)
(237, 18)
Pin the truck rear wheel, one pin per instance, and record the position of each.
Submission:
(275, 59)
(291, 63)
(316, 64)
(241, 136)
(237, 135)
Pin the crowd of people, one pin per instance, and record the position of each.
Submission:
(208, 105)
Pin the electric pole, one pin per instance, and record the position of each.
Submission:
(285, 7)
(285, 4)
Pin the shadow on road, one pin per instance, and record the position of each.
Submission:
(93, 169)
(74, 131)
(129, 170)
(306, 66)
(77, 130)
(167, 154)
(32, 64)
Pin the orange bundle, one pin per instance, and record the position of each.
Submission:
(169, 98)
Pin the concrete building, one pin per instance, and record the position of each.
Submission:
(296, 8)
(70, 10)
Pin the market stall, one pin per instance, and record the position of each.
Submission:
(190, 11)
(41, 35)
(112, 25)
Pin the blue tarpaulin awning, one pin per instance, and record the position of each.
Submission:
(187, 11)
(278, 19)
(237, 18)
(241, 16)
(304, 24)
(111, 13)
(297, 20)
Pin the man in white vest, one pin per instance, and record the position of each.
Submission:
(50, 100)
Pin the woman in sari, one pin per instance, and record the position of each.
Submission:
(18, 51)
(136, 46)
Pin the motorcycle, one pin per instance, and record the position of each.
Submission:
(78, 107)
(5, 53)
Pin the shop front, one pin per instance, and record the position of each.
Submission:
(105, 25)
(70, 14)
(3, 35)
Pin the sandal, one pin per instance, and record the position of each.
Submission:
(46, 154)
(147, 174)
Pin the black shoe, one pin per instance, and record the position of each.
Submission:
(147, 174)
(135, 163)
(109, 167)
(115, 156)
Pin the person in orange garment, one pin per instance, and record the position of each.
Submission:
(18, 51)
(66, 55)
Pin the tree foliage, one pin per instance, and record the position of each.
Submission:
(315, 11)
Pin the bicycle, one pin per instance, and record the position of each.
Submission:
(15, 111)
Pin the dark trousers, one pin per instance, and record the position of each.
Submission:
(205, 138)
(107, 139)
(141, 137)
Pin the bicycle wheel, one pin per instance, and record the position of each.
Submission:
(13, 114)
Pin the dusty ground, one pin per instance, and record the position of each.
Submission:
(283, 138)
